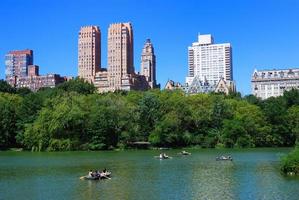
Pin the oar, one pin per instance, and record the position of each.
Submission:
(106, 177)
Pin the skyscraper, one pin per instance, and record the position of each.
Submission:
(16, 63)
(120, 73)
(148, 63)
(209, 62)
(89, 52)
(120, 56)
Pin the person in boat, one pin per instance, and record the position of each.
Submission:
(165, 156)
(97, 173)
(104, 170)
(90, 173)
(184, 152)
(161, 156)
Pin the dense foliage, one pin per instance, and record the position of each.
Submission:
(290, 163)
(73, 116)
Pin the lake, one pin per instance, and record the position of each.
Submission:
(254, 174)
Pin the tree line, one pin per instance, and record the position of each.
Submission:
(73, 116)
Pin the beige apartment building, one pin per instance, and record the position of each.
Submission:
(89, 52)
(120, 73)
(120, 56)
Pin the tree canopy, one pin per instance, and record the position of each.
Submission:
(73, 116)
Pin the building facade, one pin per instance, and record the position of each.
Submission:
(16, 63)
(171, 85)
(209, 61)
(89, 52)
(34, 81)
(199, 86)
(120, 56)
(120, 73)
(148, 64)
(20, 72)
(272, 83)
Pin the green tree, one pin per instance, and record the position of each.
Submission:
(148, 114)
(291, 97)
(62, 118)
(105, 122)
(23, 91)
(252, 99)
(167, 132)
(28, 111)
(5, 87)
(77, 85)
(9, 104)
(220, 111)
(245, 127)
(275, 110)
(293, 121)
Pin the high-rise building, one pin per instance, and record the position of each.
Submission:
(148, 63)
(120, 56)
(89, 52)
(20, 72)
(120, 73)
(209, 62)
(273, 83)
(16, 63)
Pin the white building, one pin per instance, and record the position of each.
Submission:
(208, 61)
(272, 83)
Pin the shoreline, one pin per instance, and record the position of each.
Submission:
(149, 149)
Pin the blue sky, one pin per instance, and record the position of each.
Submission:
(263, 33)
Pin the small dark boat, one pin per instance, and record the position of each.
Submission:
(224, 158)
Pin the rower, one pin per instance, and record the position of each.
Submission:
(161, 156)
(90, 173)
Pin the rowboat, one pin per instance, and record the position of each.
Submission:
(102, 175)
(185, 153)
(224, 158)
(163, 157)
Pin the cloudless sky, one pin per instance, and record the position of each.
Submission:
(263, 33)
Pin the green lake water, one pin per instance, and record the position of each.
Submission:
(254, 174)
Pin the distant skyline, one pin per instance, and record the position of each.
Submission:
(263, 34)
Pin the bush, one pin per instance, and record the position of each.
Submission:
(290, 163)
(59, 145)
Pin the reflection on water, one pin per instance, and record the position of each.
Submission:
(254, 174)
(213, 180)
